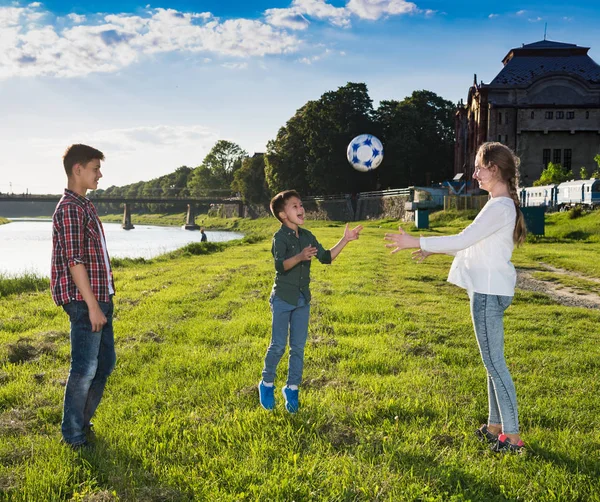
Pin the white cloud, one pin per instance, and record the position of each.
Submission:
(375, 9)
(76, 18)
(118, 40)
(286, 18)
(535, 20)
(521, 12)
(235, 66)
(492, 16)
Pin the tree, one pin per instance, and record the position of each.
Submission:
(217, 169)
(250, 181)
(418, 138)
(596, 173)
(554, 173)
(309, 153)
(583, 173)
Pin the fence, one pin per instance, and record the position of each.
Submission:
(465, 202)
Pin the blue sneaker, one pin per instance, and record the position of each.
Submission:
(291, 399)
(266, 396)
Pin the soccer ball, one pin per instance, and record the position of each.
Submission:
(365, 152)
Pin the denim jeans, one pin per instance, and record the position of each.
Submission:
(487, 312)
(92, 361)
(290, 319)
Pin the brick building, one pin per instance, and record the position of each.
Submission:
(544, 104)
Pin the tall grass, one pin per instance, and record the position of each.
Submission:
(393, 386)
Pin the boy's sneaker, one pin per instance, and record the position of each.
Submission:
(485, 436)
(266, 395)
(291, 399)
(503, 445)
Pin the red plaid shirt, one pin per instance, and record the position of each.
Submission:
(77, 236)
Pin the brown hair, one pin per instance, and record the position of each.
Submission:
(79, 154)
(507, 162)
(278, 202)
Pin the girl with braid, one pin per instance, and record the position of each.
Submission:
(482, 266)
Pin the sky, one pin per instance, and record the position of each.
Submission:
(155, 85)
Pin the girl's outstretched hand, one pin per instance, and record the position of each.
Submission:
(352, 235)
(419, 255)
(401, 240)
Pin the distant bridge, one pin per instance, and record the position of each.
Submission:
(191, 202)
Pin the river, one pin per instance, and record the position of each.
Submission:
(26, 246)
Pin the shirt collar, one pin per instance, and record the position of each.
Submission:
(287, 230)
(82, 200)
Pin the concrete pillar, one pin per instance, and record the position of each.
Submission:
(127, 225)
(190, 219)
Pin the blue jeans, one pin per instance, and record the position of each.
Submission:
(290, 319)
(487, 312)
(92, 361)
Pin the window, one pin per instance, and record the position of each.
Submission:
(546, 157)
(506, 139)
(556, 156)
(500, 118)
(560, 115)
(570, 115)
(532, 115)
(567, 158)
(549, 115)
(499, 138)
(587, 114)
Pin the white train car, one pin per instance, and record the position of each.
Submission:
(544, 195)
(578, 192)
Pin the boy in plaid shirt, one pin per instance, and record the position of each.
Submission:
(82, 283)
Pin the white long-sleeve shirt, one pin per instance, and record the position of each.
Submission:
(482, 250)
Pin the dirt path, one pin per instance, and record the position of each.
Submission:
(558, 292)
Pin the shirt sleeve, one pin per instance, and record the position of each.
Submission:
(492, 218)
(323, 255)
(71, 233)
(278, 249)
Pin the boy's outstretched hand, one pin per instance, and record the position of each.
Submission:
(401, 240)
(352, 235)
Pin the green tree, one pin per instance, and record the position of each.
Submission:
(554, 173)
(583, 173)
(309, 153)
(250, 181)
(596, 173)
(418, 138)
(217, 169)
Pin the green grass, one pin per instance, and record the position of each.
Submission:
(3, 220)
(394, 384)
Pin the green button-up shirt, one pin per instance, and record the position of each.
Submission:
(290, 283)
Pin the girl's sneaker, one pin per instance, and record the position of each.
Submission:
(266, 394)
(291, 399)
(503, 445)
(485, 436)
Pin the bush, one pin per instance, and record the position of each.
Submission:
(575, 212)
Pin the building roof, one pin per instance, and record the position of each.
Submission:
(524, 64)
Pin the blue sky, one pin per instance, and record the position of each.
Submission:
(155, 85)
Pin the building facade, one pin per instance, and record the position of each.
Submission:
(544, 104)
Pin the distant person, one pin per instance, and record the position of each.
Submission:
(293, 249)
(482, 266)
(204, 238)
(82, 283)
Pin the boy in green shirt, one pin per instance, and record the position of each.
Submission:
(293, 249)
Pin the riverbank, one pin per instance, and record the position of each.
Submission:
(393, 387)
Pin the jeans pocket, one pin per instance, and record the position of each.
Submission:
(504, 301)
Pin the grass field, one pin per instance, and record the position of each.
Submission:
(393, 383)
